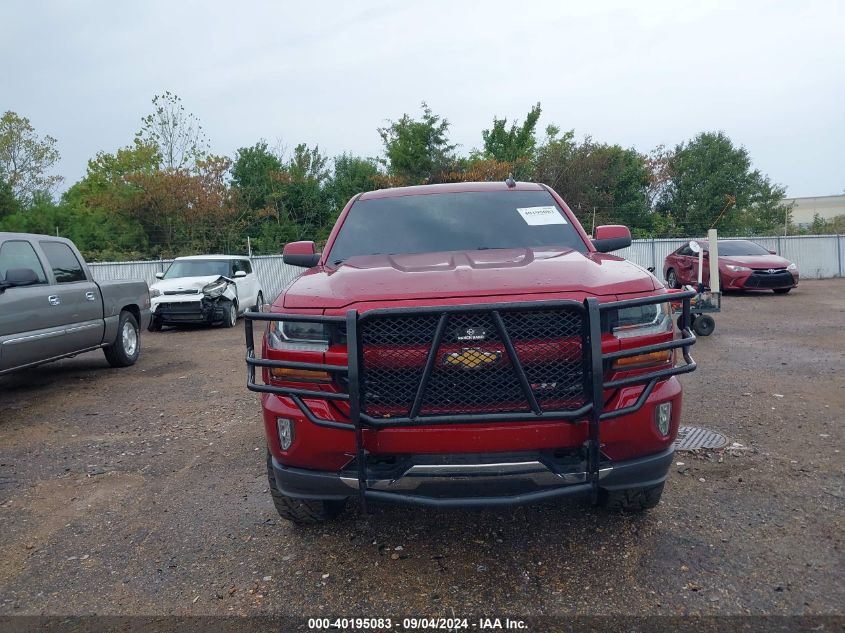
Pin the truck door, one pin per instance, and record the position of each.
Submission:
(29, 327)
(78, 298)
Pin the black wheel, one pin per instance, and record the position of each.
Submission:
(126, 348)
(704, 325)
(672, 278)
(230, 314)
(781, 291)
(631, 499)
(259, 303)
(154, 326)
(301, 511)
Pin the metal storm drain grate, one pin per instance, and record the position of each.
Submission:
(691, 438)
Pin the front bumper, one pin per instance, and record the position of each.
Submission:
(202, 311)
(455, 481)
(759, 280)
(581, 399)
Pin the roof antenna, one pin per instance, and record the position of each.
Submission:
(510, 182)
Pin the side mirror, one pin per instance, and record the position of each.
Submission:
(611, 237)
(159, 275)
(771, 252)
(20, 277)
(240, 273)
(302, 254)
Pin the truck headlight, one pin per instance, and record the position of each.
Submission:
(641, 320)
(737, 269)
(792, 266)
(154, 292)
(215, 289)
(298, 335)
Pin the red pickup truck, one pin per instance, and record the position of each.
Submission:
(467, 344)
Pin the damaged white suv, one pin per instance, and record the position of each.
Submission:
(210, 289)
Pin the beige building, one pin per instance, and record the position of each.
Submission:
(804, 209)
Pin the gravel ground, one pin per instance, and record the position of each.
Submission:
(143, 491)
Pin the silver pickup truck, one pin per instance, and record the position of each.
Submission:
(51, 307)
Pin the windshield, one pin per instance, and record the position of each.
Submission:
(473, 220)
(739, 248)
(198, 268)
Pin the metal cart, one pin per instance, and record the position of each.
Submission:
(702, 304)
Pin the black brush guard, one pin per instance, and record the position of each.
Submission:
(594, 364)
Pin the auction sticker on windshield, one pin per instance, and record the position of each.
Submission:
(538, 216)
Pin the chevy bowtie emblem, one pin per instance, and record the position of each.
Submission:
(471, 358)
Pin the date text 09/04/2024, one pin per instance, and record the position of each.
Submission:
(443, 624)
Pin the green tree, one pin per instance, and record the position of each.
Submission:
(705, 174)
(9, 204)
(514, 145)
(417, 151)
(256, 175)
(26, 158)
(351, 175)
(176, 133)
(306, 203)
(601, 183)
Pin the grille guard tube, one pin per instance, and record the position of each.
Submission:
(594, 362)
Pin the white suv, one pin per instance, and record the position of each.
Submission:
(204, 289)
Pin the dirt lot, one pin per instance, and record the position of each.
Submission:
(143, 491)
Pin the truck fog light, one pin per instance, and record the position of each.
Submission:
(285, 428)
(663, 417)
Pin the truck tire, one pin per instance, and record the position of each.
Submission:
(781, 291)
(126, 347)
(301, 511)
(230, 314)
(631, 499)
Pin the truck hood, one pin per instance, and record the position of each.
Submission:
(484, 273)
(185, 283)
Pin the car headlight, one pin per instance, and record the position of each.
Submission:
(641, 320)
(215, 289)
(737, 269)
(792, 266)
(155, 292)
(298, 335)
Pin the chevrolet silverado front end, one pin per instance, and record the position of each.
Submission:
(463, 345)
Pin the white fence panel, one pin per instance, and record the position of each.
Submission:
(817, 256)
(273, 273)
(107, 271)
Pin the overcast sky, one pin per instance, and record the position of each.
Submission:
(769, 74)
